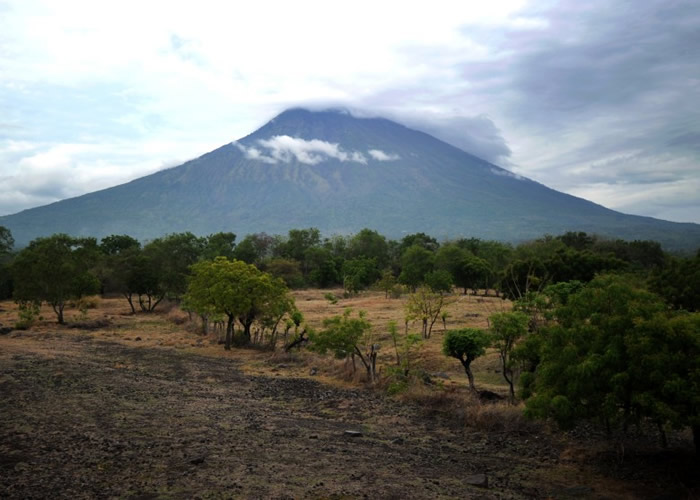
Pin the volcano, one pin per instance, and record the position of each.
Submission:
(339, 173)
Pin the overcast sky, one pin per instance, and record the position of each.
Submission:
(600, 99)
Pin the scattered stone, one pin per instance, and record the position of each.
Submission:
(313, 371)
(198, 460)
(354, 434)
(397, 441)
(479, 480)
(4, 330)
(313, 436)
(137, 338)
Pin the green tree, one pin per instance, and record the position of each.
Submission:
(585, 367)
(171, 257)
(219, 245)
(387, 282)
(507, 329)
(55, 270)
(7, 242)
(439, 281)
(466, 345)
(344, 336)
(369, 244)
(425, 305)
(416, 262)
(358, 274)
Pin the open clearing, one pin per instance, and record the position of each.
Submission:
(144, 407)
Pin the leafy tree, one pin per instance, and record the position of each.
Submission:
(6, 244)
(287, 269)
(255, 248)
(358, 274)
(323, 268)
(439, 281)
(426, 306)
(387, 282)
(369, 244)
(299, 241)
(344, 335)
(679, 283)
(239, 291)
(466, 345)
(219, 245)
(171, 257)
(55, 270)
(507, 329)
(116, 244)
(419, 239)
(416, 262)
(585, 368)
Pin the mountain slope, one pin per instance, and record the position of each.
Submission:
(338, 173)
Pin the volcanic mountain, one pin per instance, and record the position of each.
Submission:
(339, 173)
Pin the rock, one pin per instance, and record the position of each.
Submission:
(313, 436)
(489, 396)
(313, 371)
(137, 338)
(397, 441)
(354, 434)
(198, 460)
(479, 480)
(4, 330)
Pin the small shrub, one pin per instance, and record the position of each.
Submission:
(331, 298)
(28, 314)
(85, 303)
(397, 291)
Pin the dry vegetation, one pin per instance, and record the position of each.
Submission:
(424, 441)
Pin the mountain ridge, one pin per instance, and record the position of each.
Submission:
(340, 173)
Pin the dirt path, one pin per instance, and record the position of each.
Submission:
(84, 418)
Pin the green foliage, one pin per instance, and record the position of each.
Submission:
(416, 262)
(28, 313)
(239, 291)
(286, 269)
(507, 329)
(387, 282)
(171, 257)
(330, 297)
(465, 345)
(55, 270)
(358, 274)
(368, 245)
(219, 245)
(426, 306)
(116, 244)
(6, 241)
(341, 335)
(439, 281)
(679, 283)
(418, 239)
(586, 366)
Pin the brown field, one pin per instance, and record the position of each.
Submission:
(143, 406)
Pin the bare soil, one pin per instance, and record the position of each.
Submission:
(142, 408)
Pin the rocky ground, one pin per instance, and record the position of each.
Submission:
(82, 417)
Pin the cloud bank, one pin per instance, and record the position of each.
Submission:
(284, 149)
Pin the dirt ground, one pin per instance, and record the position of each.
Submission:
(145, 408)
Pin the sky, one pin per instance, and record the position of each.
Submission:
(599, 99)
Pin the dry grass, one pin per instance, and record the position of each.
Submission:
(111, 318)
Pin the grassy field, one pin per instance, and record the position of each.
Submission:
(144, 406)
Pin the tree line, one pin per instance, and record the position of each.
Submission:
(603, 330)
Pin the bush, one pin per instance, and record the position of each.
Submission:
(28, 314)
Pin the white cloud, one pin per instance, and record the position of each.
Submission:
(283, 148)
(380, 155)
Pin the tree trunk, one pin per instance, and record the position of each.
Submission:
(470, 375)
(504, 366)
(229, 332)
(58, 309)
(129, 298)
